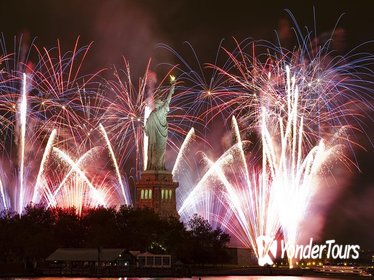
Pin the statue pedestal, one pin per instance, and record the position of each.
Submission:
(156, 190)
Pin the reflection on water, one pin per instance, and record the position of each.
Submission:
(262, 278)
(194, 278)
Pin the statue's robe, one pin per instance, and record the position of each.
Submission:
(156, 128)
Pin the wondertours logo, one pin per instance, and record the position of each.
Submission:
(267, 249)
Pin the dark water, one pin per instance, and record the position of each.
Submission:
(194, 278)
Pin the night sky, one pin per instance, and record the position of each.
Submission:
(135, 28)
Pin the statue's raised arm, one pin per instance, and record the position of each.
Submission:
(170, 94)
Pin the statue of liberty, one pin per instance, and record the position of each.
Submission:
(156, 128)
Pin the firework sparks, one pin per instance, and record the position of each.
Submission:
(303, 121)
(147, 112)
(51, 197)
(96, 194)
(182, 150)
(124, 192)
(2, 192)
(47, 97)
(42, 164)
(301, 105)
(23, 114)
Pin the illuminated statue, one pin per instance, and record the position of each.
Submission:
(156, 128)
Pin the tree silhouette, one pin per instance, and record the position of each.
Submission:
(36, 233)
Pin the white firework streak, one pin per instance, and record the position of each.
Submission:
(96, 195)
(147, 112)
(23, 115)
(46, 153)
(124, 193)
(51, 198)
(182, 150)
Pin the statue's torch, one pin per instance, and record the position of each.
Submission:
(172, 79)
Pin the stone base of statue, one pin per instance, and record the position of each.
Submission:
(156, 190)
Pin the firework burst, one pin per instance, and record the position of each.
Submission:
(303, 105)
(47, 105)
